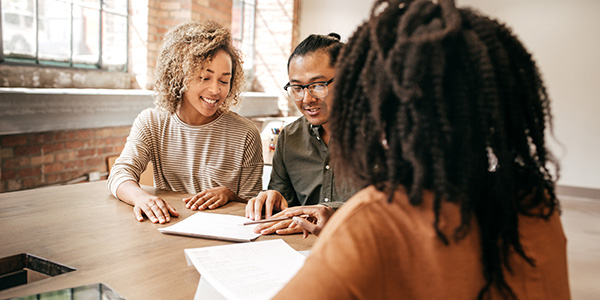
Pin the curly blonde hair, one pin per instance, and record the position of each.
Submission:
(187, 49)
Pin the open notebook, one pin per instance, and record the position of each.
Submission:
(213, 226)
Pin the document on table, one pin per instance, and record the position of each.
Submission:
(213, 226)
(244, 271)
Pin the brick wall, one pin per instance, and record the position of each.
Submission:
(166, 14)
(40, 159)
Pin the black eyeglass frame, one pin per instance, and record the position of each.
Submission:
(305, 86)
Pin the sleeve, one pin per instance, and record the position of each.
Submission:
(134, 157)
(252, 166)
(280, 179)
(344, 263)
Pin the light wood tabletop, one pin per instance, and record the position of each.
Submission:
(84, 227)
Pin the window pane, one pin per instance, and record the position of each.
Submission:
(247, 46)
(18, 28)
(86, 35)
(88, 3)
(54, 35)
(119, 6)
(114, 41)
(236, 22)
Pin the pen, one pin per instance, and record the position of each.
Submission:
(273, 220)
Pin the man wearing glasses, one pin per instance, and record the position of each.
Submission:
(302, 174)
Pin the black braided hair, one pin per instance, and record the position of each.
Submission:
(317, 42)
(426, 94)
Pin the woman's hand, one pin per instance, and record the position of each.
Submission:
(156, 209)
(318, 215)
(209, 199)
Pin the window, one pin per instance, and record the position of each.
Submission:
(242, 30)
(72, 33)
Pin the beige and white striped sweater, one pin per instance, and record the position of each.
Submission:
(187, 158)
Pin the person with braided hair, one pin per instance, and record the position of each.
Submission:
(302, 175)
(196, 143)
(441, 113)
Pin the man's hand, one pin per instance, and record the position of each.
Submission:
(318, 215)
(270, 201)
(209, 199)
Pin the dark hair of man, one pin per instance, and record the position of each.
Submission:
(316, 42)
(426, 96)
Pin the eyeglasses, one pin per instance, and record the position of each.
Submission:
(316, 89)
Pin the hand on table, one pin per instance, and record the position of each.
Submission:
(270, 201)
(209, 199)
(156, 209)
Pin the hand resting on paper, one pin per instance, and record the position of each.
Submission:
(211, 198)
(318, 216)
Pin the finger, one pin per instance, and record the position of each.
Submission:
(269, 207)
(137, 212)
(217, 204)
(150, 214)
(158, 213)
(186, 200)
(306, 225)
(172, 211)
(293, 228)
(207, 203)
(191, 201)
(250, 208)
(201, 200)
(164, 211)
(276, 226)
(258, 205)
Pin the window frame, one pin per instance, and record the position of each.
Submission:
(239, 39)
(70, 64)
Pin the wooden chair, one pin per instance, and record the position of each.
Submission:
(147, 177)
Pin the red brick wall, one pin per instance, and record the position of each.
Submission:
(166, 14)
(39, 159)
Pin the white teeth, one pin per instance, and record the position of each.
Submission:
(211, 101)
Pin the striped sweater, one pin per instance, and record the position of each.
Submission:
(187, 158)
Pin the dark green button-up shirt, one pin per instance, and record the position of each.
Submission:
(302, 172)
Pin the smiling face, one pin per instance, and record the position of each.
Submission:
(307, 69)
(207, 91)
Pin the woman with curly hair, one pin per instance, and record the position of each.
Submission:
(196, 144)
(441, 113)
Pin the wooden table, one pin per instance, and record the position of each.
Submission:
(84, 227)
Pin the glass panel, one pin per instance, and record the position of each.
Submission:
(247, 46)
(114, 41)
(54, 35)
(119, 6)
(18, 28)
(236, 23)
(86, 35)
(89, 3)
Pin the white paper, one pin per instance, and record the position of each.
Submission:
(214, 226)
(246, 271)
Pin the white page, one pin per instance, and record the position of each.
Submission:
(214, 226)
(249, 270)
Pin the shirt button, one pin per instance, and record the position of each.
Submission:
(326, 199)
(327, 167)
